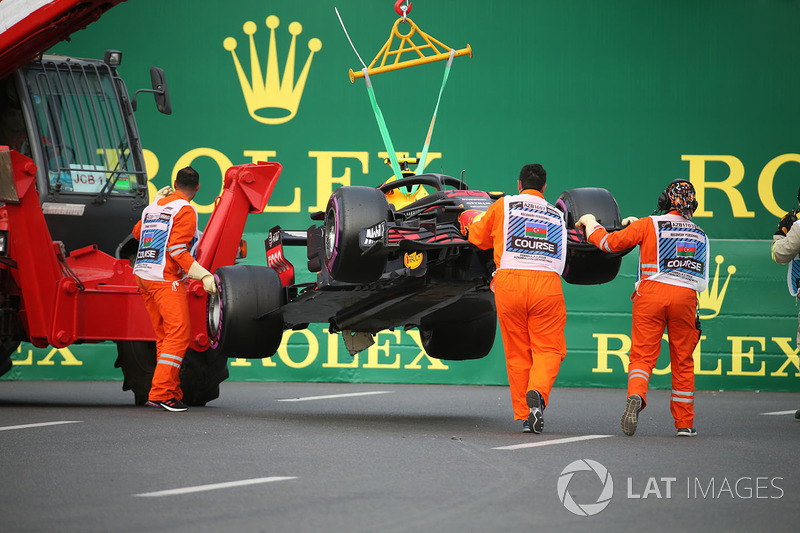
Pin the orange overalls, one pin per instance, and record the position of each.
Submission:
(167, 304)
(656, 306)
(531, 312)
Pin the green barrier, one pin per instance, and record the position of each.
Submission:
(747, 343)
(621, 94)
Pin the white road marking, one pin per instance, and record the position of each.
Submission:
(775, 413)
(552, 441)
(308, 398)
(212, 486)
(41, 424)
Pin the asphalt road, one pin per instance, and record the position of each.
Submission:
(305, 457)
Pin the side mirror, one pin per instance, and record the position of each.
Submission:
(159, 90)
(159, 82)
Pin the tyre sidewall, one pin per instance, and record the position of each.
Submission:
(246, 294)
(351, 209)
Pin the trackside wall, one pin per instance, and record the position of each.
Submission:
(625, 95)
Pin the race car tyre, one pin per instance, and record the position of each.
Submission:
(351, 209)
(585, 263)
(201, 372)
(237, 326)
(137, 359)
(459, 341)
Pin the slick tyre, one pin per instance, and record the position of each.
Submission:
(351, 209)
(600, 202)
(459, 341)
(237, 325)
(585, 263)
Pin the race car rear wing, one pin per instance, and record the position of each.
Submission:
(276, 259)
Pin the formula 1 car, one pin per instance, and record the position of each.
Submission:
(380, 267)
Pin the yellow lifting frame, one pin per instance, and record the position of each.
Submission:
(407, 45)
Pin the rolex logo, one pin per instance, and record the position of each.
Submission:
(711, 298)
(273, 99)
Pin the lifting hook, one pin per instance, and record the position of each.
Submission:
(402, 10)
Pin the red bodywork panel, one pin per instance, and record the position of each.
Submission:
(91, 296)
(29, 27)
(249, 188)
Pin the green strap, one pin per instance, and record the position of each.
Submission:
(424, 156)
(387, 140)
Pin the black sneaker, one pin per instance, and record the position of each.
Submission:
(687, 432)
(173, 405)
(797, 414)
(526, 426)
(630, 418)
(535, 417)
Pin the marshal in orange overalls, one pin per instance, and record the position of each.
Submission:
(167, 304)
(657, 306)
(531, 312)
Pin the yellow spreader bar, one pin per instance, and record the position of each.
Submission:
(406, 45)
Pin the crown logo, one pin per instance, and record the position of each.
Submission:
(270, 99)
(711, 298)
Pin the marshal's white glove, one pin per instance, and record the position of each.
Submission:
(628, 220)
(198, 272)
(163, 193)
(589, 223)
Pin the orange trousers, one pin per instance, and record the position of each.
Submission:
(532, 315)
(168, 308)
(657, 306)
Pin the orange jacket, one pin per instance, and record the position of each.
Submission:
(641, 232)
(487, 232)
(183, 230)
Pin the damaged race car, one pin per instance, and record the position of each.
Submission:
(388, 257)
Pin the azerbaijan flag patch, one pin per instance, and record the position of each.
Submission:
(686, 248)
(535, 230)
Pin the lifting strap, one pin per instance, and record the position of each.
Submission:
(424, 156)
(438, 52)
(387, 139)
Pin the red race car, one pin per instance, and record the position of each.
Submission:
(380, 267)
